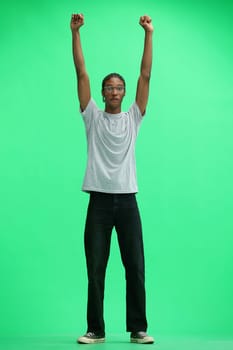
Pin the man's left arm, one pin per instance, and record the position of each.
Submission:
(142, 93)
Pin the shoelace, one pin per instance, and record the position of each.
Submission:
(143, 334)
(140, 334)
(90, 334)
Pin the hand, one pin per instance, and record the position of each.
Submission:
(146, 23)
(77, 20)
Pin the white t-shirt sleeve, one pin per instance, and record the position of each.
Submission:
(89, 113)
(136, 115)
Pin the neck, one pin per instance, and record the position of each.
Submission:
(112, 110)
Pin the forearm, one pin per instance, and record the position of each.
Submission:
(78, 54)
(146, 63)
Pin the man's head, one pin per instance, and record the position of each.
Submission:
(113, 75)
(113, 91)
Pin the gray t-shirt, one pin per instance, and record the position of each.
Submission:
(111, 140)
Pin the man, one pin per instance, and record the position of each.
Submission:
(110, 179)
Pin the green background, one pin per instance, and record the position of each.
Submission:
(184, 161)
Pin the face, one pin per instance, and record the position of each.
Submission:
(113, 93)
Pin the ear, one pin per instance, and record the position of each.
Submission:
(103, 96)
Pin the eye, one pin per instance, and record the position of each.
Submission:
(120, 88)
(112, 88)
(108, 88)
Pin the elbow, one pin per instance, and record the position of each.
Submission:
(81, 74)
(146, 74)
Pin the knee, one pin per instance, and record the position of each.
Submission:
(96, 273)
(135, 272)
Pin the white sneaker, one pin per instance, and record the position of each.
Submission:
(91, 338)
(141, 338)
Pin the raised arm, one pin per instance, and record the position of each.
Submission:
(146, 64)
(84, 92)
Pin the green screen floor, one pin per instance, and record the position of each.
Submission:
(114, 342)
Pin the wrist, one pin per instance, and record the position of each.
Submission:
(149, 31)
(75, 32)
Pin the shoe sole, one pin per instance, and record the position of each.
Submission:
(142, 341)
(90, 341)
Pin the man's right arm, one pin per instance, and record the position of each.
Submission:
(84, 91)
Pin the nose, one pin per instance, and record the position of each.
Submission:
(114, 91)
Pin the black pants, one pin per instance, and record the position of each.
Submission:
(106, 211)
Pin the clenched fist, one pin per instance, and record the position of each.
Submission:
(77, 20)
(146, 23)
